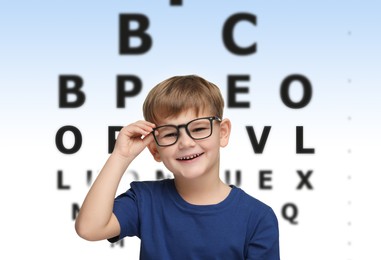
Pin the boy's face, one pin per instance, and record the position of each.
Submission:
(189, 158)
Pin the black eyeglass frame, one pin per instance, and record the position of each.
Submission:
(210, 118)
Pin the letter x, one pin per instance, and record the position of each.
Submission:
(304, 179)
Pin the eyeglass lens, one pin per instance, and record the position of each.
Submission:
(197, 129)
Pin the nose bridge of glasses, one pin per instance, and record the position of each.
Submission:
(185, 126)
(185, 139)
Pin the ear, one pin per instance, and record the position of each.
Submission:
(154, 151)
(225, 129)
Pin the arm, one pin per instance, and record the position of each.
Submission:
(264, 243)
(96, 220)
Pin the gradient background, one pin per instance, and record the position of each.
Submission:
(335, 44)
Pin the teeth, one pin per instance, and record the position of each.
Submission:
(190, 157)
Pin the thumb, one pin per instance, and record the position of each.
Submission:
(148, 139)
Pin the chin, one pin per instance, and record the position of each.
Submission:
(189, 175)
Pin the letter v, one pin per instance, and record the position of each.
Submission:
(258, 147)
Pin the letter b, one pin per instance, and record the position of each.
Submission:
(74, 89)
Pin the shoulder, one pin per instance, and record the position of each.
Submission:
(159, 184)
(262, 229)
(249, 200)
(151, 187)
(255, 208)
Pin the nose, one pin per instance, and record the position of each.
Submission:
(185, 140)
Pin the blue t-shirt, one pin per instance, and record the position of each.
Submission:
(239, 227)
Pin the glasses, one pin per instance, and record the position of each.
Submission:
(197, 129)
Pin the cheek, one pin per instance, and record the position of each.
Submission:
(216, 141)
(210, 145)
(166, 153)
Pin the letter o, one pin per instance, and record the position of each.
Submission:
(285, 91)
(77, 139)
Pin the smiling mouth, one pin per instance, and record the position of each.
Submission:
(189, 157)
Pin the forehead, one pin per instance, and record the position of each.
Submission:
(184, 117)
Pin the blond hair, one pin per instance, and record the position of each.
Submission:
(180, 93)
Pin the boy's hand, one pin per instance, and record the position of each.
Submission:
(133, 138)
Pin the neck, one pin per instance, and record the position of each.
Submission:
(202, 191)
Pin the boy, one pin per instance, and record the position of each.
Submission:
(194, 215)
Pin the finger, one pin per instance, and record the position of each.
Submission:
(142, 127)
(148, 126)
(147, 139)
(135, 132)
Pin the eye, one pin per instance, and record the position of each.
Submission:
(199, 126)
(199, 129)
(170, 135)
(167, 132)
